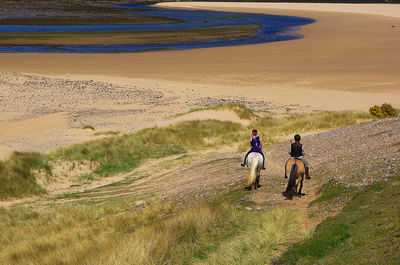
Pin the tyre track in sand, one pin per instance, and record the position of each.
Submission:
(356, 155)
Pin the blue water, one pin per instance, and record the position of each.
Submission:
(274, 28)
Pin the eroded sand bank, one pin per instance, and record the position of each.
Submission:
(345, 61)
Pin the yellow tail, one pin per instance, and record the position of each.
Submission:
(252, 174)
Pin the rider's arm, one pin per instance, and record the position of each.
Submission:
(302, 152)
(290, 150)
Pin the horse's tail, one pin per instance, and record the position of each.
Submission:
(292, 180)
(253, 173)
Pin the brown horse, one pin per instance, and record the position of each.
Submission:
(297, 170)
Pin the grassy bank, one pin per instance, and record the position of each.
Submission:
(366, 232)
(126, 152)
(129, 37)
(119, 232)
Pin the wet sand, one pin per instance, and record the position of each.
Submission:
(345, 61)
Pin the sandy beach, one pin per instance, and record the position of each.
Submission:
(348, 59)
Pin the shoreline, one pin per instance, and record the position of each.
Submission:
(345, 61)
(388, 10)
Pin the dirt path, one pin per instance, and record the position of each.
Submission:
(356, 155)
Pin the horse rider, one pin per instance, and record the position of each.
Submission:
(296, 151)
(256, 146)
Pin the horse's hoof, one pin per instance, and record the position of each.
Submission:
(248, 188)
(259, 186)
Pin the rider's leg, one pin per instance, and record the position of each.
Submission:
(263, 167)
(307, 168)
(244, 161)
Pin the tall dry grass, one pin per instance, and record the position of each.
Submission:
(70, 234)
(270, 233)
(119, 233)
(16, 176)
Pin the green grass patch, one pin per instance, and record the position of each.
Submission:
(332, 190)
(366, 232)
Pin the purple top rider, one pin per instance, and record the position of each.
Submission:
(256, 146)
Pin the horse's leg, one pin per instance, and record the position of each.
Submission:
(301, 185)
(295, 187)
(258, 181)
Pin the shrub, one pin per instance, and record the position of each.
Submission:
(385, 110)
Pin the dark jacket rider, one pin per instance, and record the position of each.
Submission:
(296, 151)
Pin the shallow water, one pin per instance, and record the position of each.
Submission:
(274, 28)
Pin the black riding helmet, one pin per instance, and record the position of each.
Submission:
(297, 137)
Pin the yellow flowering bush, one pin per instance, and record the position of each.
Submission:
(385, 110)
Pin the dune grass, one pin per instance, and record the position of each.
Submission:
(119, 232)
(16, 177)
(125, 152)
(121, 153)
(366, 232)
(107, 133)
(241, 110)
(88, 127)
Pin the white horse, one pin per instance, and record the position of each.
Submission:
(254, 162)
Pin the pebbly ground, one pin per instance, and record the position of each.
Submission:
(40, 113)
(355, 155)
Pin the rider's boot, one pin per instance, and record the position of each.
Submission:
(263, 167)
(308, 173)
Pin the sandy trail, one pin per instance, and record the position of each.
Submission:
(338, 155)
